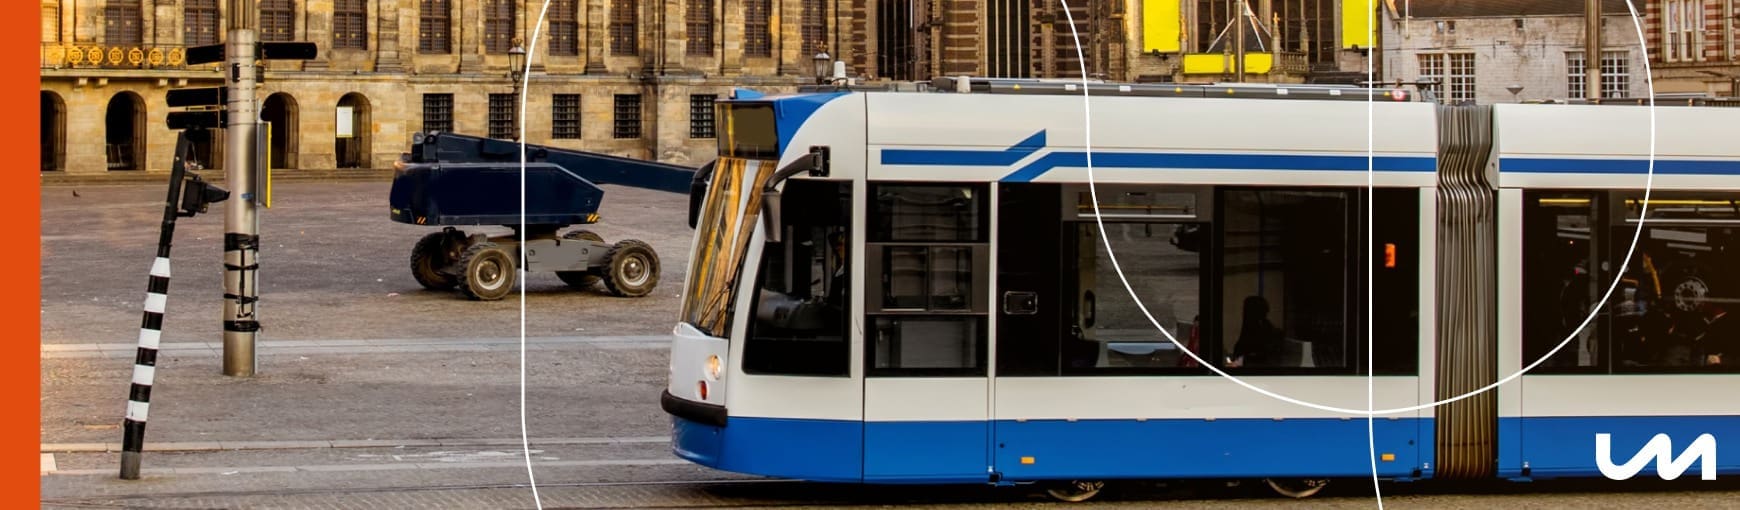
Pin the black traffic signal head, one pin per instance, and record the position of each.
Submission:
(196, 195)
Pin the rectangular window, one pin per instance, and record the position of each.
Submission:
(624, 33)
(701, 115)
(1454, 73)
(564, 28)
(918, 213)
(813, 28)
(927, 346)
(1615, 74)
(350, 24)
(757, 31)
(437, 113)
(801, 318)
(1669, 313)
(627, 123)
(434, 27)
(929, 260)
(699, 24)
(1164, 265)
(122, 24)
(501, 116)
(565, 116)
(277, 20)
(498, 26)
(199, 22)
(1284, 279)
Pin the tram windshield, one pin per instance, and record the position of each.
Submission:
(747, 148)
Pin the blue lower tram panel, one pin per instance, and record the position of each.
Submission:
(1566, 446)
(969, 452)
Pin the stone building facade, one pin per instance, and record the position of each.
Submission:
(1481, 50)
(628, 77)
(1695, 46)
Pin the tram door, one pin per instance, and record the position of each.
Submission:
(927, 306)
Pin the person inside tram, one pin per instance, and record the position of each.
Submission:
(1259, 343)
(1714, 343)
(841, 277)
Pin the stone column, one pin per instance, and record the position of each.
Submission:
(597, 48)
(788, 39)
(674, 31)
(386, 32)
(316, 27)
(468, 22)
(731, 41)
(527, 13)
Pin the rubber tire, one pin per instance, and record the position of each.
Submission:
(1075, 491)
(475, 265)
(431, 258)
(580, 279)
(1296, 488)
(620, 269)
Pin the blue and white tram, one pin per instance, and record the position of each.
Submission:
(898, 287)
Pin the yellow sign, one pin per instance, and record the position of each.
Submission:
(1356, 23)
(1216, 63)
(1162, 26)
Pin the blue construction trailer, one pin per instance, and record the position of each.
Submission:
(453, 180)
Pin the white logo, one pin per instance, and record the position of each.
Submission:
(1660, 448)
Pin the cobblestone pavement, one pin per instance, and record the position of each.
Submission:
(332, 266)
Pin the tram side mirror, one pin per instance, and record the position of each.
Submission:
(815, 163)
(698, 192)
(770, 202)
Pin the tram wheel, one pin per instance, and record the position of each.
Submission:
(1296, 487)
(1075, 491)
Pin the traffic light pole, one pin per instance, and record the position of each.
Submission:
(241, 222)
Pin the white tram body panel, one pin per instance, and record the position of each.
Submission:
(1604, 153)
(871, 421)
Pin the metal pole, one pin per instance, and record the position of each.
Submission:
(151, 328)
(1592, 49)
(1239, 43)
(241, 225)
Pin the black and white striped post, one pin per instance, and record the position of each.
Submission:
(151, 329)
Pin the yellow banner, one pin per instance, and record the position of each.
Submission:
(1356, 23)
(1162, 23)
(1216, 63)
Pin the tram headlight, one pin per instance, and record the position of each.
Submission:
(714, 367)
(701, 389)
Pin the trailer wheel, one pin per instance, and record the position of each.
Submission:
(580, 279)
(1076, 491)
(631, 269)
(430, 259)
(1296, 488)
(487, 272)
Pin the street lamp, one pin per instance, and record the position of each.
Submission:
(822, 61)
(516, 61)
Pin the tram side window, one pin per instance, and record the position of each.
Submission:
(1675, 308)
(800, 315)
(1158, 236)
(927, 261)
(1563, 274)
(1672, 311)
(1395, 259)
(1284, 277)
